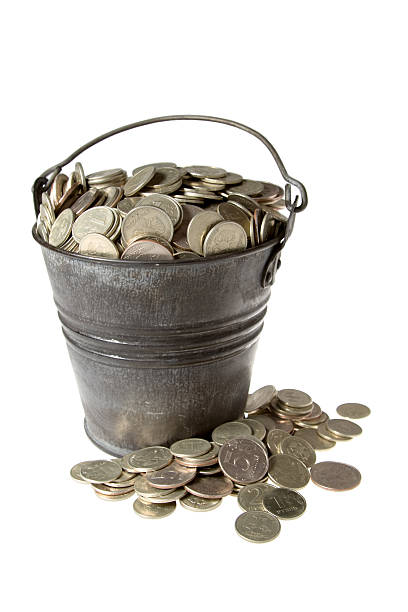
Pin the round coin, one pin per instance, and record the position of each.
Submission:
(284, 503)
(257, 526)
(146, 221)
(76, 472)
(274, 439)
(136, 182)
(316, 441)
(115, 498)
(250, 497)
(61, 229)
(294, 398)
(199, 504)
(227, 431)
(180, 234)
(247, 187)
(166, 203)
(208, 459)
(301, 449)
(153, 511)
(112, 491)
(191, 447)
(171, 496)
(335, 476)
(266, 419)
(287, 471)
(243, 460)
(258, 428)
(353, 411)
(147, 250)
(343, 427)
(199, 227)
(205, 172)
(210, 487)
(97, 245)
(172, 476)
(261, 397)
(225, 237)
(323, 432)
(93, 221)
(147, 459)
(100, 471)
(143, 487)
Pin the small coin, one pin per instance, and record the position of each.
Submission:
(353, 411)
(199, 227)
(76, 472)
(225, 237)
(136, 182)
(147, 459)
(166, 203)
(210, 487)
(153, 511)
(274, 439)
(250, 496)
(147, 249)
(247, 187)
(57, 189)
(126, 479)
(172, 476)
(199, 504)
(270, 193)
(155, 165)
(268, 227)
(100, 471)
(343, 427)
(208, 459)
(286, 425)
(61, 229)
(258, 428)
(97, 245)
(191, 447)
(323, 432)
(143, 488)
(261, 397)
(266, 419)
(301, 449)
(243, 460)
(257, 526)
(232, 212)
(171, 496)
(80, 175)
(315, 413)
(112, 491)
(84, 201)
(284, 503)
(180, 234)
(227, 431)
(287, 471)
(164, 176)
(128, 204)
(316, 441)
(335, 476)
(113, 196)
(294, 398)
(146, 221)
(114, 497)
(245, 201)
(206, 172)
(209, 470)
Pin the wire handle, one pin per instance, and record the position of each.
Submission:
(44, 181)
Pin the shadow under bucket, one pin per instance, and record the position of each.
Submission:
(162, 351)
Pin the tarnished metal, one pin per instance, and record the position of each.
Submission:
(162, 351)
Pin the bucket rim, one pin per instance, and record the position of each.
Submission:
(129, 263)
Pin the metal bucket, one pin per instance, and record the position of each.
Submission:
(162, 351)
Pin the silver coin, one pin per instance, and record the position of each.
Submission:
(335, 476)
(191, 447)
(287, 471)
(205, 172)
(172, 476)
(210, 487)
(257, 526)
(261, 397)
(153, 511)
(316, 441)
(353, 411)
(93, 221)
(100, 471)
(143, 488)
(199, 504)
(146, 220)
(227, 431)
(199, 227)
(343, 427)
(250, 497)
(274, 439)
(294, 398)
(301, 449)
(247, 188)
(155, 165)
(166, 203)
(266, 419)
(136, 182)
(171, 496)
(243, 460)
(284, 503)
(61, 229)
(147, 459)
(224, 237)
(324, 432)
(258, 428)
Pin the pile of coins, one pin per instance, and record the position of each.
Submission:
(268, 443)
(161, 212)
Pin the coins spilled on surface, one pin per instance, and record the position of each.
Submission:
(276, 440)
(161, 213)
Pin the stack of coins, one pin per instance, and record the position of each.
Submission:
(161, 212)
(240, 459)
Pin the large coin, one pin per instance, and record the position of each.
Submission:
(316, 441)
(294, 398)
(61, 230)
(335, 476)
(257, 526)
(243, 460)
(274, 439)
(353, 411)
(147, 459)
(166, 203)
(343, 427)
(225, 237)
(260, 398)
(227, 431)
(210, 487)
(147, 249)
(93, 221)
(191, 447)
(136, 182)
(287, 471)
(172, 476)
(284, 503)
(100, 471)
(250, 497)
(146, 220)
(153, 511)
(199, 227)
(97, 245)
(199, 504)
(301, 449)
(232, 212)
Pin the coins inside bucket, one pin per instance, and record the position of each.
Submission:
(263, 475)
(161, 212)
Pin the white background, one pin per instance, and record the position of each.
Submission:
(325, 82)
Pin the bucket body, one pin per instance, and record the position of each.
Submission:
(161, 351)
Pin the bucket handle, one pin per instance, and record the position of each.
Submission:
(44, 181)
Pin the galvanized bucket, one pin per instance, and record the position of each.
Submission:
(162, 351)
